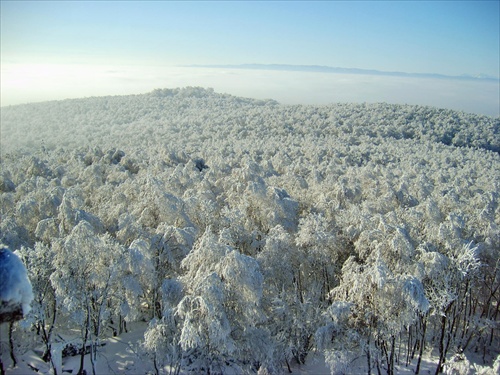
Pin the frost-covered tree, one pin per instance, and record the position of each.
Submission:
(380, 305)
(221, 313)
(157, 259)
(448, 280)
(45, 307)
(161, 344)
(86, 266)
(317, 241)
(290, 296)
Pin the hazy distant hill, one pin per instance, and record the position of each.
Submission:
(194, 112)
(329, 69)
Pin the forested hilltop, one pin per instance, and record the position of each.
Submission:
(251, 234)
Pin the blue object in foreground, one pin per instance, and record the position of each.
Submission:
(15, 288)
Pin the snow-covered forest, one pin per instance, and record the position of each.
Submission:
(248, 236)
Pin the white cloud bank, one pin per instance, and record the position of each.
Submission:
(34, 83)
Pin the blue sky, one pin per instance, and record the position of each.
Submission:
(53, 50)
(448, 37)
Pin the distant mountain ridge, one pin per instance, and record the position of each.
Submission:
(338, 70)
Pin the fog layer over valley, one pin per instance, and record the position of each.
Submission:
(289, 84)
(252, 235)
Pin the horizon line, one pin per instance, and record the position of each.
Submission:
(340, 70)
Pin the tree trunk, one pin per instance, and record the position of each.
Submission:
(391, 363)
(422, 344)
(369, 359)
(84, 345)
(379, 372)
(11, 345)
(387, 356)
(92, 361)
(47, 338)
(409, 345)
(299, 287)
(120, 325)
(441, 345)
(155, 365)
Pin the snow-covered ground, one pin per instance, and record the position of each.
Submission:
(120, 356)
(117, 356)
